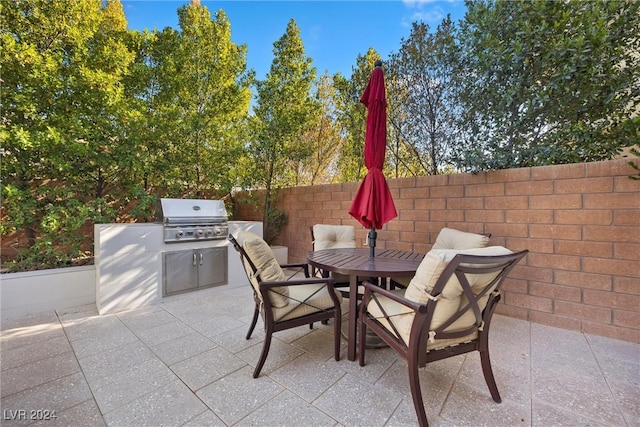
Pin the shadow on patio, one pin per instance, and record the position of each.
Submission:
(186, 362)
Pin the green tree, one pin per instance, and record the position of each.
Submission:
(283, 111)
(323, 137)
(201, 106)
(422, 105)
(549, 82)
(63, 113)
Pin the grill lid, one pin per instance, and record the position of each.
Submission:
(190, 211)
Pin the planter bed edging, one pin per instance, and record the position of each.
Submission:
(33, 292)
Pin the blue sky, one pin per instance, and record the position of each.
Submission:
(334, 33)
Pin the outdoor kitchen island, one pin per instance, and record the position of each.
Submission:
(130, 263)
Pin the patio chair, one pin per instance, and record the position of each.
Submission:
(446, 311)
(284, 304)
(326, 236)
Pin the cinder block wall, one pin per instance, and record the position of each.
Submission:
(580, 222)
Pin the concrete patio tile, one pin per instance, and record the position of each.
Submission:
(129, 384)
(164, 333)
(205, 368)
(145, 318)
(287, 409)
(30, 353)
(25, 377)
(405, 416)
(511, 370)
(216, 324)
(627, 396)
(547, 340)
(280, 353)
(53, 396)
(318, 342)
(294, 334)
(189, 314)
(28, 321)
(20, 335)
(467, 406)
(91, 327)
(510, 331)
(309, 375)
(545, 414)
(172, 404)
(579, 393)
(234, 340)
(436, 381)
(239, 394)
(355, 402)
(85, 414)
(108, 363)
(619, 370)
(182, 348)
(377, 362)
(103, 342)
(206, 419)
(610, 348)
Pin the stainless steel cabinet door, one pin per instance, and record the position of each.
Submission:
(180, 271)
(212, 267)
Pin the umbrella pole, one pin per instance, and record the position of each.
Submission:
(373, 235)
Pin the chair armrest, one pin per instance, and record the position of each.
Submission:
(309, 281)
(303, 266)
(370, 289)
(298, 265)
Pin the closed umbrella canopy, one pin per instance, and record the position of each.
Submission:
(373, 205)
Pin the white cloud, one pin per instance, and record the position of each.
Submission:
(418, 4)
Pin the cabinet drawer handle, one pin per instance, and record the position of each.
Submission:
(194, 260)
(201, 258)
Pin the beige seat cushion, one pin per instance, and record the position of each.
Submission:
(449, 238)
(451, 299)
(305, 299)
(266, 263)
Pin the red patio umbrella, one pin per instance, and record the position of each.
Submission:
(373, 205)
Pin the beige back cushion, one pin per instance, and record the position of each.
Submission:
(333, 236)
(267, 265)
(449, 238)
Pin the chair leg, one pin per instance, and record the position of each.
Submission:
(253, 322)
(361, 331)
(488, 375)
(265, 350)
(337, 334)
(416, 392)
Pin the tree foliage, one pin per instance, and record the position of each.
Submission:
(98, 121)
(63, 108)
(422, 106)
(549, 82)
(284, 109)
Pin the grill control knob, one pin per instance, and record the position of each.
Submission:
(209, 232)
(218, 232)
(179, 234)
(199, 232)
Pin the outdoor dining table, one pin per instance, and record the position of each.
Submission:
(355, 262)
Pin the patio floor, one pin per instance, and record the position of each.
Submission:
(185, 362)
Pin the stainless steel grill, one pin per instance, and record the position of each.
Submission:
(192, 219)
